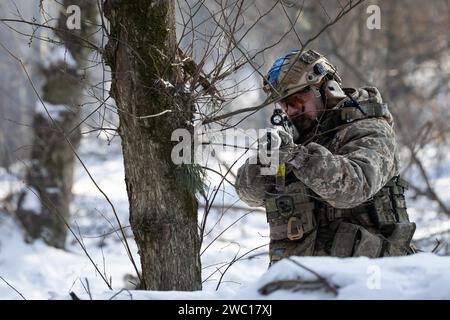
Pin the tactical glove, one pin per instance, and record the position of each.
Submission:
(287, 147)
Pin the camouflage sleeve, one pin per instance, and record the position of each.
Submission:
(250, 185)
(363, 163)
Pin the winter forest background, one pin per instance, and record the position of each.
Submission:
(67, 170)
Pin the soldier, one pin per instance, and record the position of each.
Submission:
(341, 194)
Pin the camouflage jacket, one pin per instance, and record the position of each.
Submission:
(344, 168)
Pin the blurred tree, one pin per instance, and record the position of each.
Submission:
(16, 99)
(50, 175)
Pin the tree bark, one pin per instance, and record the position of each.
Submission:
(50, 175)
(163, 211)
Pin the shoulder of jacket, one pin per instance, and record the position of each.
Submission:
(369, 94)
(367, 97)
(363, 94)
(365, 128)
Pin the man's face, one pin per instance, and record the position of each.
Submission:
(302, 108)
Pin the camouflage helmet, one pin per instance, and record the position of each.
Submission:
(297, 70)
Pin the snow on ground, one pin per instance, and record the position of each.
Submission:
(48, 271)
(234, 250)
(422, 276)
(41, 272)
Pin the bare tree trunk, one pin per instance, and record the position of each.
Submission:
(50, 176)
(163, 212)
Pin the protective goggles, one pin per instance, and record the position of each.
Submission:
(283, 104)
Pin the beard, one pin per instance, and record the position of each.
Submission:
(303, 123)
(308, 118)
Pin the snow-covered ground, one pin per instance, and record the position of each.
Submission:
(234, 260)
(422, 276)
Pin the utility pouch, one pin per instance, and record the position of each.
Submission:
(383, 212)
(398, 243)
(281, 249)
(398, 199)
(389, 206)
(352, 240)
(289, 217)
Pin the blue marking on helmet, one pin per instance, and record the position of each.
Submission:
(274, 72)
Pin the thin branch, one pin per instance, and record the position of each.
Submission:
(9, 285)
(236, 259)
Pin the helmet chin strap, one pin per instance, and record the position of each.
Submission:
(316, 91)
(319, 94)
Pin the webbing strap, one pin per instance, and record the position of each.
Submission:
(299, 209)
(370, 109)
(346, 114)
(333, 214)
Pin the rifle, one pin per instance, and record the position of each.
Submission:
(282, 134)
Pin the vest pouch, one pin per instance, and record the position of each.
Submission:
(383, 213)
(279, 228)
(352, 240)
(288, 215)
(398, 243)
(284, 248)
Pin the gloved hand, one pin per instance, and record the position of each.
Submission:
(286, 139)
(287, 147)
(282, 145)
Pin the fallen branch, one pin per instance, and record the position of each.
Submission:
(298, 284)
